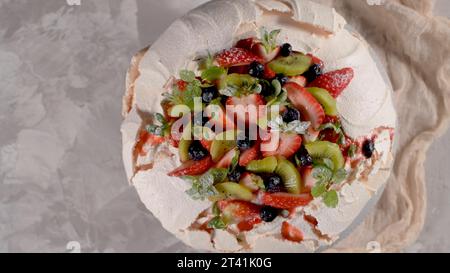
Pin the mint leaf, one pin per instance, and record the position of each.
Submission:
(217, 223)
(297, 127)
(319, 189)
(234, 161)
(339, 176)
(213, 73)
(331, 199)
(336, 127)
(202, 187)
(269, 40)
(322, 174)
(324, 162)
(219, 174)
(187, 76)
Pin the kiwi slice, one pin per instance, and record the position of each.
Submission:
(290, 176)
(293, 65)
(240, 80)
(183, 149)
(222, 144)
(266, 165)
(325, 99)
(234, 190)
(326, 149)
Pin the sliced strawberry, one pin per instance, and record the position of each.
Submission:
(220, 119)
(249, 155)
(181, 85)
(253, 100)
(247, 180)
(300, 80)
(206, 144)
(192, 167)
(268, 73)
(335, 82)
(244, 213)
(309, 107)
(245, 43)
(288, 145)
(316, 60)
(291, 233)
(308, 179)
(259, 50)
(236, 56)
(242, 69)
(311, 219)
(226, 160)
(284, 200)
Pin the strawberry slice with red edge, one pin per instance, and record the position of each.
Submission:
(300, 80)
(282, 200)
(206, 144)
(335, 81)
(226, 160)
(253, 100)
(309, 107)
(316, 60)
(236, 57)
(249, 155)
(288, 145)
(244, 213)
(260, 50)
(291, 233)
(245, 43)
(193, 167)
(308, 179)
(268, 73)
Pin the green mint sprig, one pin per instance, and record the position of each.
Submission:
(203, 185)
(193, 90)
(161, 129)
(326, 177)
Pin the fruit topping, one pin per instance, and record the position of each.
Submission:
(249, 155)
(325, 149)
(309, 107)
(268, 214)
(254, 100)
(300, 80)
(256, 70)
(251, 181)
(236, 211)
(236, 57)
(245, 43)
(268, 73)
(291, 233)
(235, 174)
(183, 150)
(293, 65)
(193, 167)
(286, 50)
(245, 143)
(273, 183)
(288, 144)
(197, 151)
(334, 82)
(290, 176)
(227, 160)
(222, 143)
(368, 148)
(325, 99)
(266, 165)
(287, 201)
(209, 93)
(308, 179)
(303, 158)
(290, 115)
(282, 79)
(234, 190)
(313, 72)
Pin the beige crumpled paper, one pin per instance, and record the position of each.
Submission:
(414, 46)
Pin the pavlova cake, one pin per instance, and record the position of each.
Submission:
(257, 126)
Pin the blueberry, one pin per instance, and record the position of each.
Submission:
(290, 115)
(273, 183)
(286, 50)
(313, 72)
(200, 119)
(267, 89)
(209, 93)
(256, 70)
(197, 151)
(268, 214)
(245, 143)
(368, 148)
(282, 79)
(235, 175)
(304, 157)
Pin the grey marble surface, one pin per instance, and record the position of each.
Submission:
(62, 183)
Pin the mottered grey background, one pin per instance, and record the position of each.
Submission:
(62, 75)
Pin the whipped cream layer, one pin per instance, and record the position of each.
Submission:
(310, 27)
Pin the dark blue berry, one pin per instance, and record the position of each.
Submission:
(197, 151)
(256, 70)
(304, 157)
(245, 143)
(209, 93)
(286, 50)
(282, 79)
(268, 214)
(313, 72)
(235, 175)
(290, 115)
(267, 89)
(273, 183)
(368, 148)
(200, 119)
